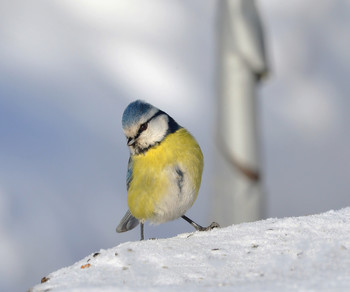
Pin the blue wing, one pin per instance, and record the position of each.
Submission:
(128, 222)
(129, 174)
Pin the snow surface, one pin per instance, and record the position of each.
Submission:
(310, 253)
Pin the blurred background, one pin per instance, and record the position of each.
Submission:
(69, 68)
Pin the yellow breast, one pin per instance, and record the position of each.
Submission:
(151, 172)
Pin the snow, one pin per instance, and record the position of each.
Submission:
(310, 253)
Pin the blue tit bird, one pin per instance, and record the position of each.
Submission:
(164, 170)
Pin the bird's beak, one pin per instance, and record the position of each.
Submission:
(131, 141)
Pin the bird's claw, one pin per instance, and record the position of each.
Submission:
(210, 227)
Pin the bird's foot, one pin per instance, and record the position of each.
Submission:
(210, 227)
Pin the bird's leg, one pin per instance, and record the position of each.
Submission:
(198, 227)
(141, 225)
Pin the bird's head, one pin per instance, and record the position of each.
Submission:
(145, 126)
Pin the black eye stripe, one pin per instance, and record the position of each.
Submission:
(158, 113)
(144, 126)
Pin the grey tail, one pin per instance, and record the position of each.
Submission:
(127, 223)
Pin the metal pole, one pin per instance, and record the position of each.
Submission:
(238, 189)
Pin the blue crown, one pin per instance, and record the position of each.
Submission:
(134, 111)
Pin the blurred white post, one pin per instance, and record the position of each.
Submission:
(238, 189)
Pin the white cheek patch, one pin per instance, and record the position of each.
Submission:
(156, 131)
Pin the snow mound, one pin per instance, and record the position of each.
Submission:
(302, 253)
